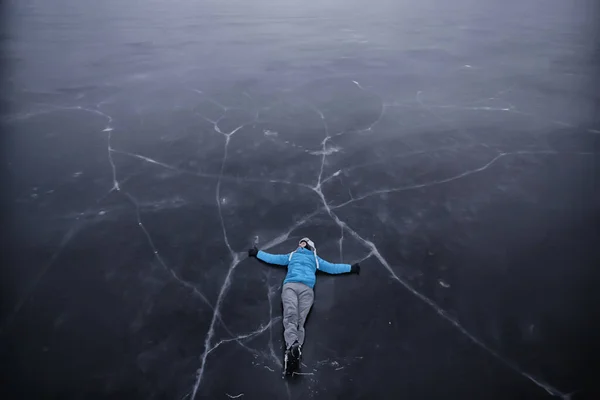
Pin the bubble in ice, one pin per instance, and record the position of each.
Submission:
(443, 284)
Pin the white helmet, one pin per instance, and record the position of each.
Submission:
(312, 247)
(308, 242)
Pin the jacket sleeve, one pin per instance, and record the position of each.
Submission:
(278, 259)
(332, 268)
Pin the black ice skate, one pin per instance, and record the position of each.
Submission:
(291, 359)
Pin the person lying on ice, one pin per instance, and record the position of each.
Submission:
(297, 293)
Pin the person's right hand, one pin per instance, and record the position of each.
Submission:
(252, 252)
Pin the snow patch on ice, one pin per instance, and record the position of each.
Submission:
(326, 152)
(443, 284)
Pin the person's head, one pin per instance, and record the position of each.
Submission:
(307, 244)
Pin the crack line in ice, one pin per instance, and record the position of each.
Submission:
(167, 166)
(370, 127)
(336, 173)
(551, 390)
(158, 256)
(387, 159)
(91, 110)
(216, 103)
(112, 164)
(215, 123)
(218, 189)
(323, 145)
(256, 109)
(358, 84)
(218, 193)
(205, 175)
(374, 251)
(216, 312)
(211, 329)
(481, 108)
(442, 120)
(284, 236)
(383, 107)
(341, 241)
(268, 181)
(471, 107)
(33, 285)
(472, 104)
(74, 228)
(234, 397)
(227, 282)
(455, 177)
(260, 330)
(108, 129)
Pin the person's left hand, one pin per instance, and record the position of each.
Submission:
(355, 269)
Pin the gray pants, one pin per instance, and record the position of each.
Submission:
(297, 299)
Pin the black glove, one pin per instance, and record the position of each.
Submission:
(252, 252)
(355, 269)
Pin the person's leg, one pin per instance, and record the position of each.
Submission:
(306, 297)
(289, 298)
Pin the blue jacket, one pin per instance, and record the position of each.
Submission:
(302, 266)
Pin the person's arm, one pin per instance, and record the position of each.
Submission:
(332, 268)
(277, 259)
